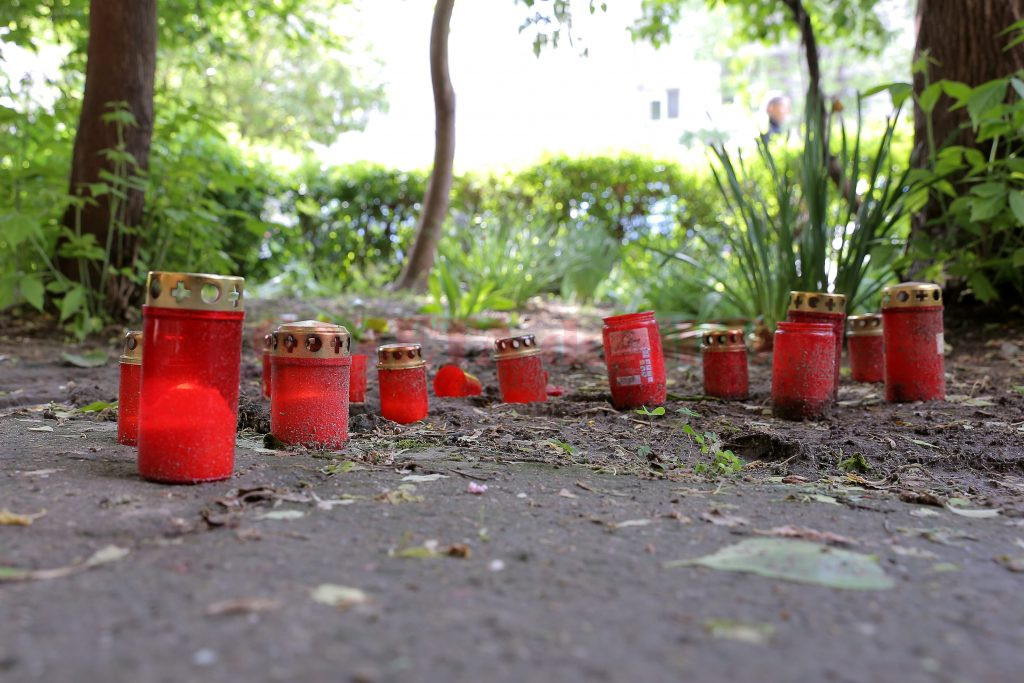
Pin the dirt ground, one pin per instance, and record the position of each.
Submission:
(378, 563)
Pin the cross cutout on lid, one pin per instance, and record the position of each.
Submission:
(921, 295)
(181, 292)
(336, 344)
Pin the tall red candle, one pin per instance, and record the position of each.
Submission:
(821, 307)
(521, 376)
(632, 354)
(914, 343)
(865, 344)
(128, 390)
(803, 370)
(267, 343)
(310, 364)
(724, 356)
(192, 346)
(402, 376)
(357, 378)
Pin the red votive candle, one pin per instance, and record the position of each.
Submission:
(451, 381)
(402, 376)
(725, 365)
(192, 345)
(357, 379)
(803, 370)
(521, 376)
(267, 342)
(128, 390)
(632, 353)
(310, 365)
(914, 344)
(820, 307)
(865, 344)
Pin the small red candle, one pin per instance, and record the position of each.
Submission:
(310, 365)
(357, 379)
(725, 365)
(267, 341)
(803, 370)
(128, 390)
(636, 366)
(521, 376)
(451, 381)
(866, 347)
(402, 376)
(192, 346)
(821, 307)
(914, 343)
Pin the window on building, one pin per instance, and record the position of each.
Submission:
(655, 110)
(673, 103)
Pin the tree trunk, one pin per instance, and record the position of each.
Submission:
(963, 45)
(435, 201)
(121, 65)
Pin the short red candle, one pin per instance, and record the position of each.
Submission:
(821, 307)
(309, 397)
(451, 381)
(402, 376)
(632, 353)
(192, 346)
(357, 379)
(267, 340)
(128, 390)
(725, 365)
(865, 344)
(915, 368)
(803, 370)
(521, 376)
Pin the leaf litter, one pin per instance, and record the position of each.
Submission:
(104, 555)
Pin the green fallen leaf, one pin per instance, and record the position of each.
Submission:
(943, 567)
(89, 359)
(855, 463)
(797, 561)
(741, 631)
(687, 412)
(1019, 388)
(97, 406)
(921, 443)
(567, 447)
(283, 515)
(822, 498)
(341, 597)
(418, 552)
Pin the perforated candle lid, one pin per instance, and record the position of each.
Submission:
(516, 347)
(310, 339)
(869, 325)
(817, 302)
(400, 356)
(132, 351)
(722, 340)
(912, 295)
(194, 291)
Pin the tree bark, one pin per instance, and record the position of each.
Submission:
(435, 201)
(121, 66)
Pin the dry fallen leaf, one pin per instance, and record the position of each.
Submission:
(105, 555)
(460, 550)
(14, 519)
(719, 518)
(341, 597)
(242, 606)
(790, 531)
(566, 493)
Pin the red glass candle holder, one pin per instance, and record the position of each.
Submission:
(915, 368)
(309, 399)
(128, 390)
(521, 376)
(725, 365)
(820, 307)
(803, 370)
(192, 346)
(357, 379)
(451, 381)
(267, 342)
(402, 376)
(865, 344)
(636, 366)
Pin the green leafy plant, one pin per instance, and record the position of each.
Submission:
(723, 462)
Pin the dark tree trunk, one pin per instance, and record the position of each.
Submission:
(963, 44)
(121, 67)
(435, 201)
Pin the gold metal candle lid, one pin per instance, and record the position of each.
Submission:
(194, 291)
(400, 356)
(516, 347)
(817, 302)
(912, 295)
(132, 354)
(310, 339)
(869, 325)
(722, 340)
